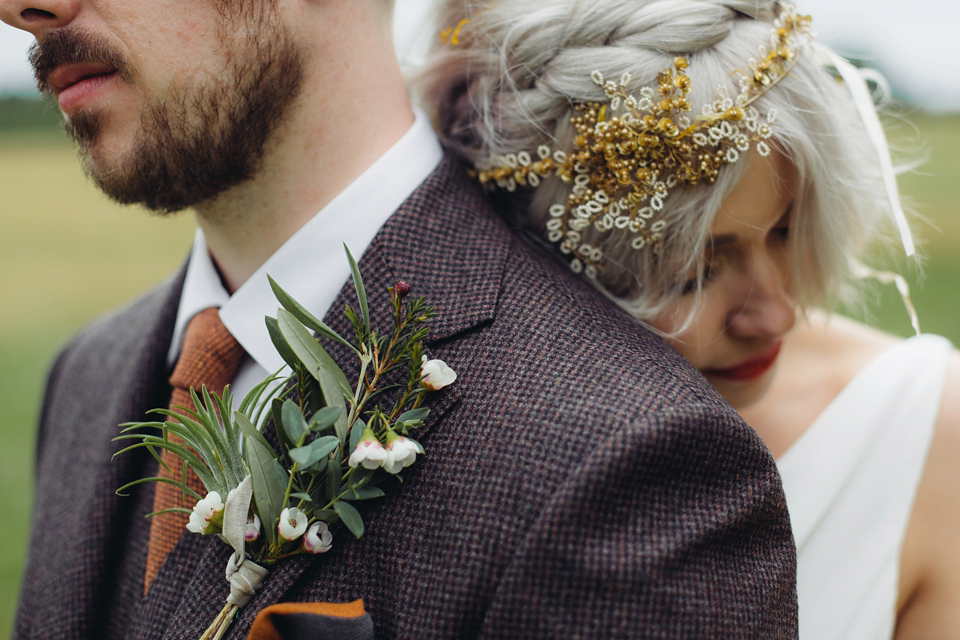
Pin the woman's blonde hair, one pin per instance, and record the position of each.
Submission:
(511, 71)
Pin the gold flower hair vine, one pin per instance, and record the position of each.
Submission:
(631, 152)
(451, 35)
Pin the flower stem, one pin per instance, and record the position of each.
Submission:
(221, 623)
(357, 405)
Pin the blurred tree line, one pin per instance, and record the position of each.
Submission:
(24, 114)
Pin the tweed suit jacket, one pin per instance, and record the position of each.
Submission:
(581, 480)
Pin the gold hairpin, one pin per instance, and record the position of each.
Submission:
(451, 35)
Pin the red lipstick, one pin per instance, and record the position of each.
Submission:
(749, 369)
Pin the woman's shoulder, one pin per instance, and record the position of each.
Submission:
(820, 357)
(832, 349)
(841, 339)
(930, 562)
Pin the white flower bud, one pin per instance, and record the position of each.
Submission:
(435, 374)
(401, 452)
(369, 452)
(206, 510)
(252, 531)
(293, 523)
(318, 538)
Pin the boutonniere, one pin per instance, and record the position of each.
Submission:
(339, 444)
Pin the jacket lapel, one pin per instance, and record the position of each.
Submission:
(135, 386)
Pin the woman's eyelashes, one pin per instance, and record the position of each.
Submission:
(781, 230)
(693, 284)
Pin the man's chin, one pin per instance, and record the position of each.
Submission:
(126, 186)
(84, 128)
(122, 180)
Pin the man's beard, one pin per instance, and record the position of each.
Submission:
(202, 138)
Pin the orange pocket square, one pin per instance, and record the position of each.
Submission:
(313, 621)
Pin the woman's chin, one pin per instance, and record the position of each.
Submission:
(741, 394)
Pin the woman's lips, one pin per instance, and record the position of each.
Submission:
(749, 369)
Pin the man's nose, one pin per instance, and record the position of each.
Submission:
(38, 16)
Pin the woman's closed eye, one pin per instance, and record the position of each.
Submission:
(709, 271)
(781, 232)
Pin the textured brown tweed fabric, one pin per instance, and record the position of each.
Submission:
(581, 480)
(210, 356)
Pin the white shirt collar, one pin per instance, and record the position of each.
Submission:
(311, 266)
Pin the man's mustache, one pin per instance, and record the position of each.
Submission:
(71, 45)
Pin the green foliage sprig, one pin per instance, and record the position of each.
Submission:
(339, 444)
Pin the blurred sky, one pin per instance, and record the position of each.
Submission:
(915, 43)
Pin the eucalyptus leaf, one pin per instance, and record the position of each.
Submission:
(414, 417)
(350, 517)
(325, 418)
(361, 292)
(314, 400)
(364, 493)
(280, 478)
(327, 515)
(333, 383)
(334, 476)
(317, 468)
(305, 317)
(310, 454)
(282, 434)
(280, 389)
(268, 493)
(248, 430)
(294, 423)
(315, 359)
(280, 343)
(356, 433)
(361, 476)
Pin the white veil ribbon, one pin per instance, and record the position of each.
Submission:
(871, 122)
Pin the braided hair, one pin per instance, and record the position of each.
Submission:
(511, 72)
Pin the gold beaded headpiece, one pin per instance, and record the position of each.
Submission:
(629, 154)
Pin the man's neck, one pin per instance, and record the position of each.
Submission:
(344, 119)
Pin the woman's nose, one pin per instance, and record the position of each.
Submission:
(767, 309)
(38, 16)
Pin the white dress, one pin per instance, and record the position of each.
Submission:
(850, 482)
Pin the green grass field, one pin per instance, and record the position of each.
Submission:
(67, 255)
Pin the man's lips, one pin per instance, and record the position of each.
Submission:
(72, 82)
(65, 76)
(751, 368)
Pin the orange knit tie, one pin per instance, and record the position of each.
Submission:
(211, 357)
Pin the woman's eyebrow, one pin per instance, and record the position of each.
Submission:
(720, 240)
